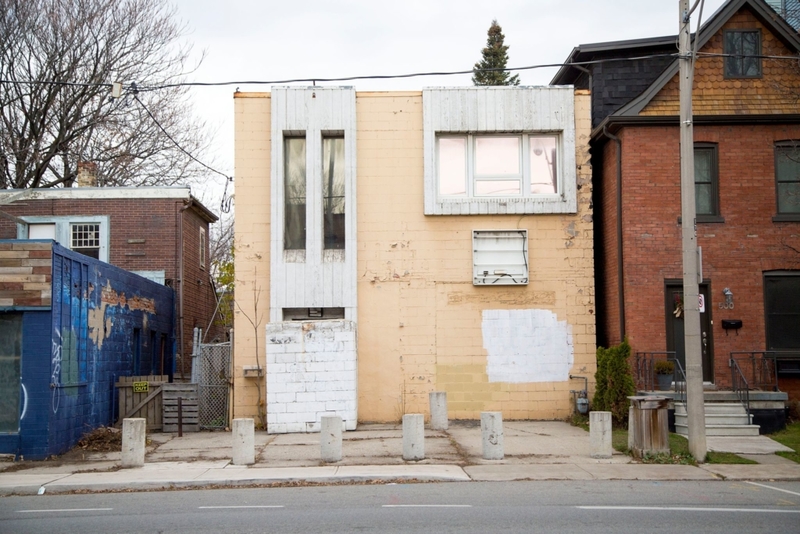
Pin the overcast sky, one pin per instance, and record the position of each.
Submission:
(270, 40)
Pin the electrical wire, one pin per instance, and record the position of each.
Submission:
(226, 201)
(143, 87)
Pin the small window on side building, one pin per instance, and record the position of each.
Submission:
(202, 248)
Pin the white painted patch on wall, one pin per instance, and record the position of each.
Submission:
(526, 346)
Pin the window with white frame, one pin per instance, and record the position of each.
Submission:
(501, 165)
(88, 235)
(202, 248)
(85, 238)
(499, 150)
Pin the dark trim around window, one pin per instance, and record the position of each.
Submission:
(782, 148)
(738, 62)
(710, 212)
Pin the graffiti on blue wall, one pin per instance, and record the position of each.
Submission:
(68, 377)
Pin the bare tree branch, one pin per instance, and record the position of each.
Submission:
(57, 61)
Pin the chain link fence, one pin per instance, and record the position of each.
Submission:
(214, 382)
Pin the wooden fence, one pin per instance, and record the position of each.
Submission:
(140, 396)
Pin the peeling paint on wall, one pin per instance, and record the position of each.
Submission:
(526, 346)
(110, 296)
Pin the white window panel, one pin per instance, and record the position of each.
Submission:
(499, 257)
(496, 150)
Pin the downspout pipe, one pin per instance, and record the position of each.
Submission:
(180, 282)
(620, 259)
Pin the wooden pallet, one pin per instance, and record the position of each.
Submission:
(190, 404)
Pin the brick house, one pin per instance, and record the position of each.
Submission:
(160, 233)
(399, 243)
(746, 135)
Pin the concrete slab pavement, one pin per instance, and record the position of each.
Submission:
(535, 450)
(745, 445)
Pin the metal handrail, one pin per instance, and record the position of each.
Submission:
(762, 366)
(740, 385)
(679, 378)
(644, 368)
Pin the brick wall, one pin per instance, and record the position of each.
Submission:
(736, 252)
(311, 372)
(144, 236)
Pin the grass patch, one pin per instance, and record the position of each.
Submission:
(727, 458)
(790, 436)
(679, 452)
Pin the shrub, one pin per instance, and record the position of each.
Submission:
(664, 367)
(614, 382)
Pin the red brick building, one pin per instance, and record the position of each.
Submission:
(160, 233)
(747, 184)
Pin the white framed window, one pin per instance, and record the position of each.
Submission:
(85, 238)
(88, 235)
(499, 150)
(202, 248)
(498, 165)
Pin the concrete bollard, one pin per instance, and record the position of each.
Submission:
(413, 436)
(244, 442)
(492, 435)
(631, 427)
(438, 402)
(133, 434)
(330, 438)
(600, 434)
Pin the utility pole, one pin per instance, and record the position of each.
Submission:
(695, 401)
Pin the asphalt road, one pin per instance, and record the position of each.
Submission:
(592, 506)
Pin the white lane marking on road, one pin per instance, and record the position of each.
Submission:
(773, 488)
(65, 510)
(690, 509)
(427, 506)
(255, 506)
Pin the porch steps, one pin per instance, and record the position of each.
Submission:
(722, 419)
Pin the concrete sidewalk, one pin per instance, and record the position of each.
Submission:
(534, 450)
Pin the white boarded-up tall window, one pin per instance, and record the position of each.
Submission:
(294, 234)
(333, 197)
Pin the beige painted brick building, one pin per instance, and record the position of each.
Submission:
(454, 264)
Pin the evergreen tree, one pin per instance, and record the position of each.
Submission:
(495, 56)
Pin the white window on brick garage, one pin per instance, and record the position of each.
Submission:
(491, 166)
(85, 238)
(202, 248)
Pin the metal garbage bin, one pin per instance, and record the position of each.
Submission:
(649, 424)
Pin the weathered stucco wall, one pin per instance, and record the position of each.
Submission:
(251, 312)
(422, 325)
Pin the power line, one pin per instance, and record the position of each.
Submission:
(225, 205)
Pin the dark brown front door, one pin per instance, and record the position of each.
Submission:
(675, 330)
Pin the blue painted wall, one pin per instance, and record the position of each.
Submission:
(69, 373)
